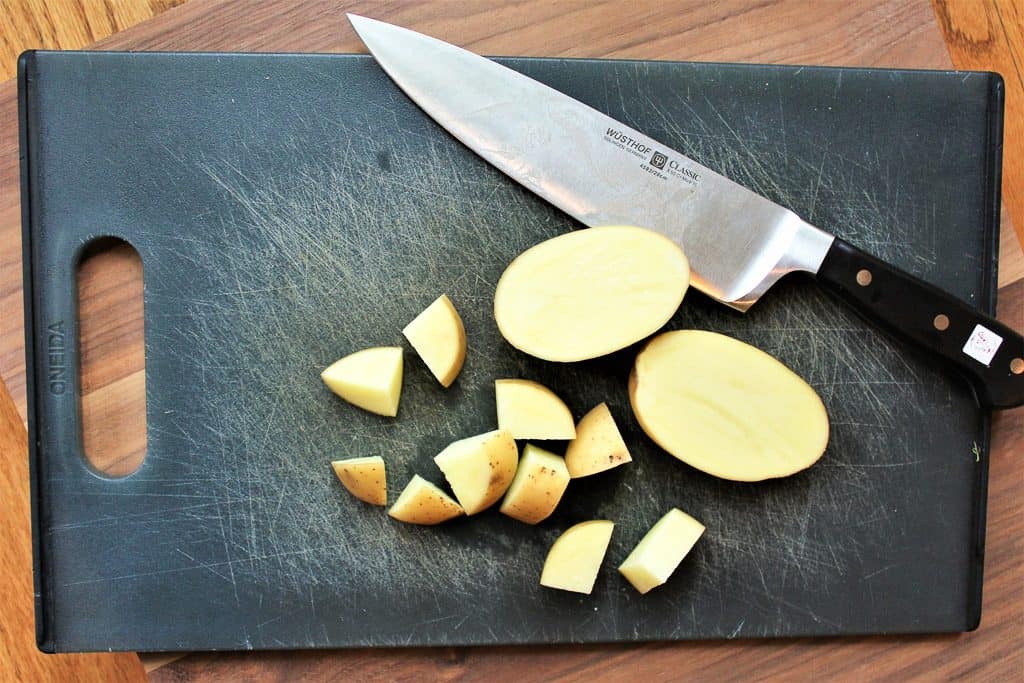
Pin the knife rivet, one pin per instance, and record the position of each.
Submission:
(941, 322)
(1017, 366)
(864, 277)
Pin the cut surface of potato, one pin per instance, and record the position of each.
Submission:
(590, 292)
(439, 338)
(370, 379)
(598, 445)
(364, 478)
(575, 558)
(661, 550)
(539, 484)
(725, 407)
(423, 503)
(532, 411)
(480, 468)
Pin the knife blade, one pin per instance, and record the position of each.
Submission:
(603, 172)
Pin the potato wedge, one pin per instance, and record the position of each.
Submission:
(439, 338)
(480, 468)
(365, 478)
(598, 445)
(540, 481)
(424, 503)
(725, 407)
(590, 292)
(661, 550)
(575, 558)
(532, 411)
(370, 379)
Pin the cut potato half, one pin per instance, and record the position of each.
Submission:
(538, 486)
(439, 338)
(661, 550)
(725, 407)
(532, 411)
(575, 558)
(598, 445)
(370, 379)
(590, 292)
(423, 503)
(480, 468)
(364, 478)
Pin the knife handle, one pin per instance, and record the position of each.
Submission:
(988, 353)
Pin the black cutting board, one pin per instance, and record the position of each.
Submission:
(290, 209)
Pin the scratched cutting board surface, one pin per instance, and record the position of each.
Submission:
(290, 209)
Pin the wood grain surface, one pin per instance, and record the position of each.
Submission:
(901, 33)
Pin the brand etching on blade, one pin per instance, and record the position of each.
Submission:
(655, 162)
(56, 358)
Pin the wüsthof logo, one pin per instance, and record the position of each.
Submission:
(658, 160)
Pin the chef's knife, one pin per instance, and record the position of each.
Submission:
(602, 172)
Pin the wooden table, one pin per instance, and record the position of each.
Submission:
(895, 33)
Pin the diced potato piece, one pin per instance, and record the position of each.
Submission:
(480, 468)
(590, 292)
(423, 503)
(539, 484)
(725, 407)
(365, 478)
(370, 379)
(532, 411)
(575, 558)
(598, 445)
(439, 338)
(661, 550)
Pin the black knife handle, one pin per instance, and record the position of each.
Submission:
(988, 353)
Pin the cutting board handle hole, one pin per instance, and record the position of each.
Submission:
(112, 357)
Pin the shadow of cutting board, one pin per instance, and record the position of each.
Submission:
(289, 209)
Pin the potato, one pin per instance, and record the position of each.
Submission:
(590, 292)
(423, 503)
(439, 338)
(598, 446)
(575, 558)
(480, 468)
(365, 478)
(661, 550)
(539, 484)
(370, 379)
(532, 411)
(725, 407)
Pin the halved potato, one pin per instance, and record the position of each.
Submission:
(575, 558)
(725, 407)
(365, 478)
(661, 550)
(439, 338)
(423, 503)
(598, 445)
(590, 292)
(370, 379)
(532, 411)
(479, 468)
(539, 484)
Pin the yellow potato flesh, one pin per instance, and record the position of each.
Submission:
(662, 549)
(538, 486)
(479, 468)
(598, 445)
(590, 292)
(532, 411)
(575, 558)
(423, 503)
(725, 407)
(370, 379)
(439, 338)
(365, 478)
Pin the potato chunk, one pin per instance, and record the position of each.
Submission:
(538, 486)
(423, 503)
(365, 478)
(532, 411)
(479, 468)
(590, 292)
(725, 407)
(370, 379)
(575, 558)
(439, 338)
(598, 445)
(661, 550)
